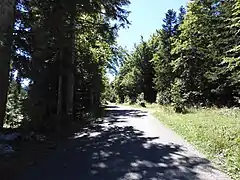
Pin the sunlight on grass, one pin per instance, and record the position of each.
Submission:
(215, 132)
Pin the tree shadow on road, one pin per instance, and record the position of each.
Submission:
(105, 150)
(114, 111)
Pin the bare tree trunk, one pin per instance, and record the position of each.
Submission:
(7, 9)
(70, 88)
(59, 99)
(59, 16)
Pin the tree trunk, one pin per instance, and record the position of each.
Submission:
(7, 9)
(60, 82)
(59, 17)
(70, 88)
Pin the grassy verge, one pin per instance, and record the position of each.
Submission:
(215, 132)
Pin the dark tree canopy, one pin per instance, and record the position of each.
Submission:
(63, 49)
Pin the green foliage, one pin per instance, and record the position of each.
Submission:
(14, 112)
(163, 97)
(232, 55)
(179, 101)
(198, 53)
(162, 58)
(136, 74)
(193, 60)
(148, 68)
(64, 49)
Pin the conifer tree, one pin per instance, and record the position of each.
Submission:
(163, 57)
(7, 11)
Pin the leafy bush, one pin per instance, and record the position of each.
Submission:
(163, 98)
(178, 99)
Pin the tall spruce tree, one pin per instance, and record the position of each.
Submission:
(163, 58)
(148, 73)
(192, 50)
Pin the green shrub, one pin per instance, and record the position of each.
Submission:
(178, 99)
(163, 98)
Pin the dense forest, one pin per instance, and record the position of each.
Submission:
(54, 59)
(193, 60)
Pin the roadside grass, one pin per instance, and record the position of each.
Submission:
(215, 132)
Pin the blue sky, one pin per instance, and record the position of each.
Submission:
(146, 16)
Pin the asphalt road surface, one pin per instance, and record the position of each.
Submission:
(127, 144)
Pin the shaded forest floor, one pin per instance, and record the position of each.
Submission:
(215, 132)
(27, 153)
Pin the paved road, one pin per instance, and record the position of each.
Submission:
(127, 144)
